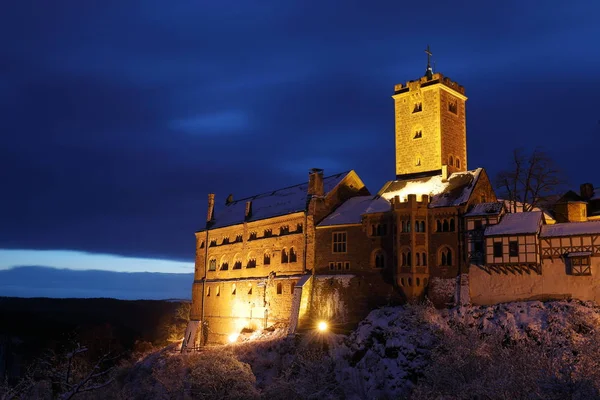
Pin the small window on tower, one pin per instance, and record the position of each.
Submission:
(457, 163)
(418, 107)
(451, 161)
(453, 107)
(418, 134)
(418, 162)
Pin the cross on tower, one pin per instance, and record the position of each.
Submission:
(429, 54)
(428, 71)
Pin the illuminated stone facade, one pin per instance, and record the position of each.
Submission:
(330, 250)
(430, 126)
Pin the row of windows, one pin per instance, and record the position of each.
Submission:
(286, 257)
(234, 289)
(452, 107)
(406, 259)
(454, 161)
(339, 265)
(284, 230)
(513, 249)
(419, 226)
(409, 281)
(445, 225)
(379, 230)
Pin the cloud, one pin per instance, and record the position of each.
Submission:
(227, 122)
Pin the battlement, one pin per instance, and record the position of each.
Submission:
(411, 202)
(425, 81)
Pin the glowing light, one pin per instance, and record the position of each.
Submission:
(322, 326)
(233, 337)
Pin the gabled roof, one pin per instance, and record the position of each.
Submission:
(353, 209)
(516, 224)
(570, 229)
(276, 203)
(455, 191)
(570, 196)
(483, 209)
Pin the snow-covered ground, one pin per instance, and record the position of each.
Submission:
(514, 350)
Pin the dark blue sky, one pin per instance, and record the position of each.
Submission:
(118, 117)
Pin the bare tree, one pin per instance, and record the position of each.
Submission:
(531, 179)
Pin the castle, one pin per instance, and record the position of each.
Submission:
(330, 250)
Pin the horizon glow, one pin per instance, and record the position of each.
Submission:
(80, 261)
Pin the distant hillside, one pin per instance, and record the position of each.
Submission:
(65, 283)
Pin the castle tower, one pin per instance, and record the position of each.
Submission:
(430, 125)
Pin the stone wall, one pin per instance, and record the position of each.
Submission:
(454, 132)
(554, 283)
(344, 300)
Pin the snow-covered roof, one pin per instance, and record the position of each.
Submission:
(272, 204)
(516, 224)
(351, 211)
(485, 209)
(455, 191)
(571, 228)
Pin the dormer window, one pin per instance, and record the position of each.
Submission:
(418, 134)
(418, 107)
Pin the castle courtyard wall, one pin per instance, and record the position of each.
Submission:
(486, 287)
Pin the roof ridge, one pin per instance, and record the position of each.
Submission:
(287, 187)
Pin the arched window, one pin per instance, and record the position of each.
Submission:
(208, 291)
(284, 256)
(445, 227)
(457, 162)
(418, 259)
(279, 288)
(212, 265)
(403, 259)
(379, 260)
(422, 226)
(424, 259)
(439, 225)
(451, 161)
(407, 226)
(445, 257)
(267, 259)
(452, 226)
(403, 226)
(224, 265)
(251, 263)
(408, 259)
(417, 226)
(293, 257)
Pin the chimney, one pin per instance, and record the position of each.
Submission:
(586, 191)
(248, 214)
(444, 173)
(229, 199)
(211, 208)
(315, 182)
